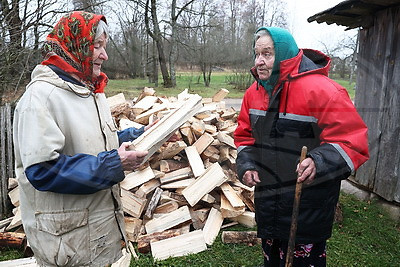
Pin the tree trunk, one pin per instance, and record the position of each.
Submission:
(156, 35)
(174, 48)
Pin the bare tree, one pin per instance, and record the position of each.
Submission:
(155, 33)
(175, 13)
(23, 23)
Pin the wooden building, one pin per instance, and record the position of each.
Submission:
(377, 95)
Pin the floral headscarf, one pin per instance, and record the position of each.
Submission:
(70, 45)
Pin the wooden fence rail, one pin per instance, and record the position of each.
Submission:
(6, 157)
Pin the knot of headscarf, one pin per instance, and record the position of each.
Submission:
(69, 46)
(285, 47)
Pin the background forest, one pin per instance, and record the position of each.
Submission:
(153, 38)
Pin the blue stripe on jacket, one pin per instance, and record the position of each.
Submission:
(81, 173)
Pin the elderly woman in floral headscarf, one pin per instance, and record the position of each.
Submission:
(68, 155)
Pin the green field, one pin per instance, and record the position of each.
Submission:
(193, 82)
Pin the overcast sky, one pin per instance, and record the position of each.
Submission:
(309, 35)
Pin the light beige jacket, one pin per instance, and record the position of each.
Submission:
(57, 117)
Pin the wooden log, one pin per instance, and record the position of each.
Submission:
(223, 153)
(179, 198)
(16, 221)
(203, 142)
(203, 114)
(187, 134)
(153, 203)
(198, 128)
(228, 114)
(132, 228)
(199, 217)
(177, 175)
(248, 199)
(116, 100)
(230, 224)
(211, 153)
(148, 187)
(247, 218)
(195, 161)
(223, 125)
(125, 123)
(227, 210)
(208, 199)
(178, 184)
(12, 240)
(168, 221)
(240, 237)
(211, 120)
(14, 196)
(12, 183)
(132, 204)
(212, 226)
(144, 118)
(144, 104)
(147, 91)
(232, 196)
(167, 207)
(137, 178)
(190, 243)
(143, 241)
(245, 187)
(221, 94)
(4, 223)
(171, 149)
(211, 178)
(211, 129)
(226, 139)
(169, 165)
(152, 139)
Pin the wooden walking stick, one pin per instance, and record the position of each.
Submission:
(295, 213)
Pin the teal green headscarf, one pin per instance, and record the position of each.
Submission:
(285, 48)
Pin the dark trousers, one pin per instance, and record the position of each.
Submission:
(305, 255)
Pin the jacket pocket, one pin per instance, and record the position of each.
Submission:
(63, 238)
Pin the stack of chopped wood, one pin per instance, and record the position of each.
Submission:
(177, 202)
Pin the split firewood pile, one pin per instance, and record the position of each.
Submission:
(177, 203)
(187, 189)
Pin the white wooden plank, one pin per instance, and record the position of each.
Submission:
(168, 221)
(152, 139)
(190, 243)
(195, 161)
(212, 226)
(213, 176)
(137, 178)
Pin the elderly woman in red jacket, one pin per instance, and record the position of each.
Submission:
(292, 104)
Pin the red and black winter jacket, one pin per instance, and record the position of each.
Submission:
(306, 109)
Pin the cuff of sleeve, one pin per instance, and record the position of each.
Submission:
(112, 166)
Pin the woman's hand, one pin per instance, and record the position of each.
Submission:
(130, 160)
(250, 178)
(306, 171)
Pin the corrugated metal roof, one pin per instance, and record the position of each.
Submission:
(353, 13)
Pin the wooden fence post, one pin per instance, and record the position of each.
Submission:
(6, 157)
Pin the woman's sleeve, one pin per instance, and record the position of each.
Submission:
(129, 134)
(78, 174)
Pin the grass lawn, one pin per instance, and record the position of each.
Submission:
(366, 237)
(193, 81)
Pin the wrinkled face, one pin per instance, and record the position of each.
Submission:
(265, 56)
(99, 54)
